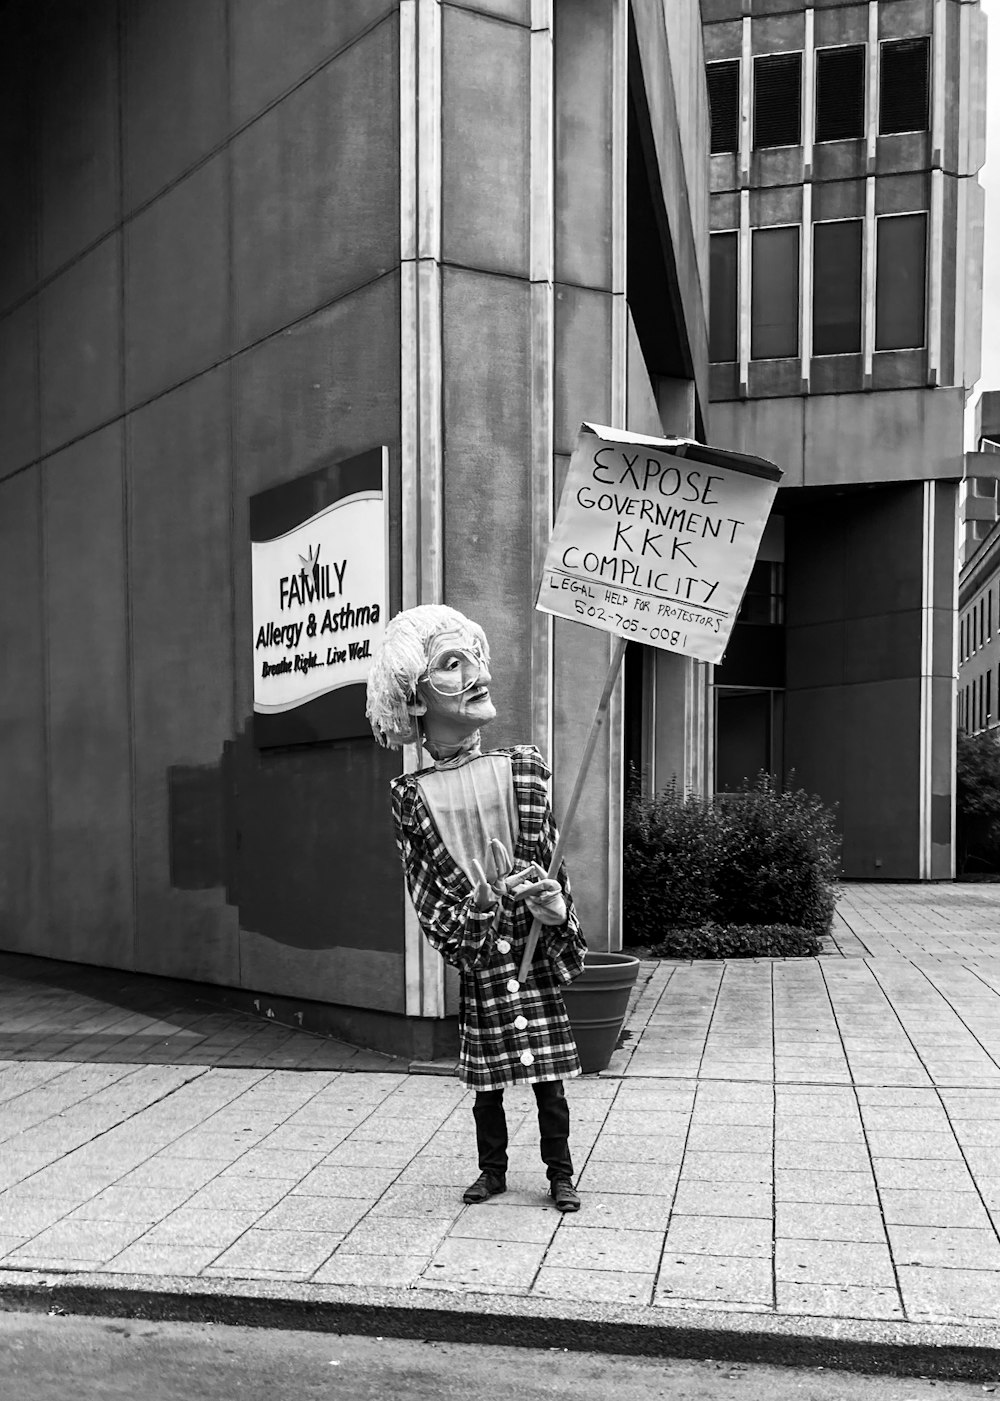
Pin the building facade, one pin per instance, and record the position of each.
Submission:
(979, 580)
(846, 255)
(247, 238)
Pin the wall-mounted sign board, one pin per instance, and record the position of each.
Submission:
(319, 564)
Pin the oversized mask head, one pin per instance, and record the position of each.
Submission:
(430, 679)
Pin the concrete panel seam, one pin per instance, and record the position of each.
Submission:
(208, 369)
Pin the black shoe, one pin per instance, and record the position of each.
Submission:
(487, 1184)
(564, 1194)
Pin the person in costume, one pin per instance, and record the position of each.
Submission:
(475, 834)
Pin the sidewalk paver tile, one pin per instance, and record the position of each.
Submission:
(132, 1203)
(372, 1271)
(949, 1296)
(333, 1214)
(71, 1239)
(833, 1262)
(908, 1208)
(493, 1222)
(924, 1175)
(484, 1263)
(720, 1138)
(589, 1248)
(699, 1198)
(838, 1300)
(946, 1247)
(593, 1286)
(913, 1145)
(189, 1226)
(622, 1211)
(719, 1235)
(829, 1221)
(839, 1158)
(419, 1200)
(287, 1251)
(638, 1148)
(728, 1167)
(714, 1279)
(153, 1258)
(407, 1235)
(259, 1162)
(810, 1185)
(630, 1178)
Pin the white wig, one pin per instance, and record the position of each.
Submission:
(400, 660)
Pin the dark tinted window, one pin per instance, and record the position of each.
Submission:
(723, 302)
(837, 288)
(774, 303)
(777, 100)
(904, 85)
(900, 280)
(724, 105)
(840, 93)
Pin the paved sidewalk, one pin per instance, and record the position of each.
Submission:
(788, 1139)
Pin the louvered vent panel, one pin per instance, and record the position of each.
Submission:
(777, 100)
(840, 93)
(724, 105)
(904, 86)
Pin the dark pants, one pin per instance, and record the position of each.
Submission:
(553, 1127)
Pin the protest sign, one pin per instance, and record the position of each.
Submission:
(655, 539)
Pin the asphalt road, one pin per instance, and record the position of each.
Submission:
(54, 1358)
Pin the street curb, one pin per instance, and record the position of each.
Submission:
(953, 1352)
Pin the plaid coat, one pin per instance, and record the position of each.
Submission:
(507, 1036)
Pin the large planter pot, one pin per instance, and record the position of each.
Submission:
(596, 1003)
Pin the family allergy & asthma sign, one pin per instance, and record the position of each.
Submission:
(319, 558)
(655, 539)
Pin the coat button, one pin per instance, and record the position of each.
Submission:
(513, 985)
(503, 946)
(527, 1058)
(520, 1023)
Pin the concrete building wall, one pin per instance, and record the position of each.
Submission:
(249, 239)
(201, 298)
(869, 671)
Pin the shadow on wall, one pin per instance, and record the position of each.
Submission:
(302, 863)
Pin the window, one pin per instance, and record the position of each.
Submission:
(840, 93)
(837, 287)
(899, 281)
(723, 312)
(724, 105)
(989, 696)
(989, 615)
(904, 85)
(764, 600)
(777, 100)
(774, 293)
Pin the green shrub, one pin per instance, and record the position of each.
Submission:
(738, 941)
(755, 857)
(977, 801)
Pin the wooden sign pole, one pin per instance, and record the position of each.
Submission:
(617, 654)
